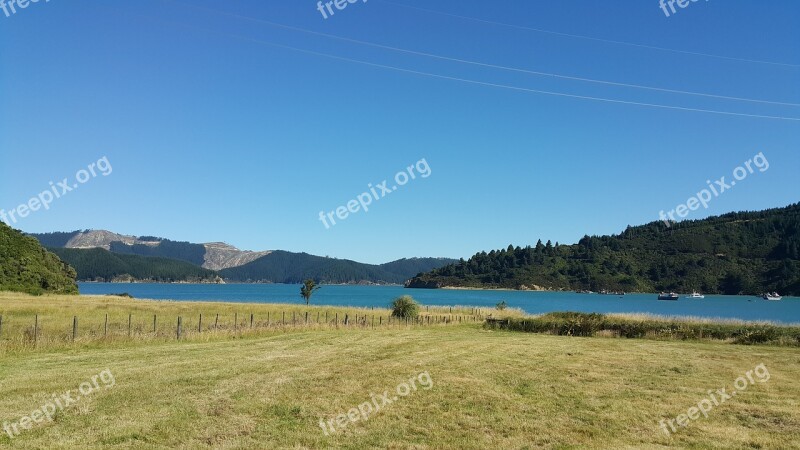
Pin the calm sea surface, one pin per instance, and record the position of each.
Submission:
(713, 306)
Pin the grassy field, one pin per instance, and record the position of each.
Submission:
(490, 389)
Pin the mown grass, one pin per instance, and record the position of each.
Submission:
(491, 389)
(639, 326)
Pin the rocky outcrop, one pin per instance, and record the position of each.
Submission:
(220, 255)
(101, 239)
(418, 283)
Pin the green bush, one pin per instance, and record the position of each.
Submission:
(405, 307)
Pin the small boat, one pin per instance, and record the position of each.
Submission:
(670, 296)
(696, 295)
(772, 297)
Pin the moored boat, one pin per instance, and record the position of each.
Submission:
(696, 295)
(670, 296)
(772, 297)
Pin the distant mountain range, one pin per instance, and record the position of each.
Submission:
(100, 255)
(736, 253)
(213, 255)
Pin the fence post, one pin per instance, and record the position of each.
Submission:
(373, 321)
(155, 323)
(317, 318)
(74, 327)
(268, 321)
(294, 320)
(380, 320)
(251, 320)
(337, 320)
(346, 319)
(180, 322)
(105, 327)
(306, 317)
(216, 322)
(326, 317)
(129, 324)
(283, 318)
(200, 324)
(36, 330)
(235, 320)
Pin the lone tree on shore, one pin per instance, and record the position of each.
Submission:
(307, 289)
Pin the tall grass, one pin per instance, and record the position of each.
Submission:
(642, 326)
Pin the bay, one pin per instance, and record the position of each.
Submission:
(713, 306)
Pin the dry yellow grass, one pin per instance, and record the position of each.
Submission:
(490, 390)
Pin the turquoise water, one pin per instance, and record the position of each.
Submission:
(713, 306)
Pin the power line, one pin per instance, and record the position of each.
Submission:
(476, 82)
(493, 66)
(516, 88)
(591, 38)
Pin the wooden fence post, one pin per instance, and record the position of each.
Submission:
(216, 322)
(235, 320)
(317, 318)
(74, 327)
(129, 324)
(251, 320)
(337, 320)
(306, 317)
(105, 326)
(155, 323)
(268, 321)
(283, 318)
(36, 330)
(200, 324)
(180, 322)
(373, 321)
(346, 319)
(294, 321)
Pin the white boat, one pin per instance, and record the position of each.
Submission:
(773, 297)
(696, 295)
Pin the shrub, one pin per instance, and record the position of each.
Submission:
(405, 307)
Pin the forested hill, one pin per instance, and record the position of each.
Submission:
(25, 266)
(736, 253)
(97, 264)
(287, 267)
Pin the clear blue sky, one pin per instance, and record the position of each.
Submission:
(215, 135)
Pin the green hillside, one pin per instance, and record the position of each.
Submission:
(287, 267)
(184, 251)
(97, 264)
(736, 253)
(25, 266)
